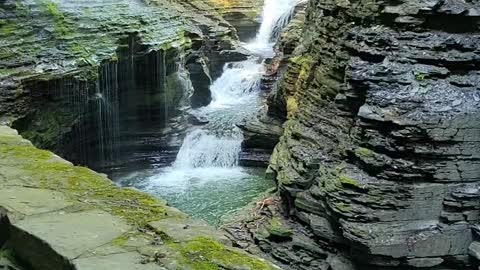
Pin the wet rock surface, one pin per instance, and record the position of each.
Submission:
(261, 134)
(379, 155)
(243, 15)
(264, 229)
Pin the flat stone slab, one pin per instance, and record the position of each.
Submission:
(32, 201)
(186, 230)
(72, 234)
(123, 261)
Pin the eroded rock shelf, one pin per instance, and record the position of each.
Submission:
(58, 216)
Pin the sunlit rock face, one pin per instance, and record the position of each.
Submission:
(243, 15)
(380, 153)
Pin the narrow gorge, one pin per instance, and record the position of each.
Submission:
(240, 134)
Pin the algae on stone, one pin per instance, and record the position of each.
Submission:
(204, 253)
(277, 230)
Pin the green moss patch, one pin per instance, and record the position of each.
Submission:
(277, 230)
(6, 27)
(348, 181)
(120, 241)
(81, 184)
(62, 27)
(364, 152)
(206, 254)
(342, 207)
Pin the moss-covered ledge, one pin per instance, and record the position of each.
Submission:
(67, 217)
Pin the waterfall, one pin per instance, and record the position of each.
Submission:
(201, 149)
(72, 95)
(234, 98)
(238, 84)
(205, 179)
(106, 100)
(79, 103)
(161, 78)
(275, 16)
(185, 82)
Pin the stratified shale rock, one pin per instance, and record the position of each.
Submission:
(380, 154)
(261, 134)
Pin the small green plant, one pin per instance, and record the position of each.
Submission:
(364, 152)
(7, 28)
(62, 27)
(420, 76)
(348, 181)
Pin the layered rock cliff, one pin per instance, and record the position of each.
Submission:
(380, 156)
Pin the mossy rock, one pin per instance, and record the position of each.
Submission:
(203, 253)
(81, 184)
(348, 181)
(87, 191)
(364, 152)
(277, 230)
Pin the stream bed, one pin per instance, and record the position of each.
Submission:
(203, 193)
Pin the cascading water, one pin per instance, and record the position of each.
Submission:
(276, 15)
(205, 179)
(218, 144)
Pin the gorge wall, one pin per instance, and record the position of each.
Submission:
(380, 156)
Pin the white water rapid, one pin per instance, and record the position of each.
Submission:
(207, 164)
